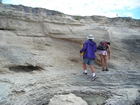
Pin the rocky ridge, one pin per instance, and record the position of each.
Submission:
(40, 57)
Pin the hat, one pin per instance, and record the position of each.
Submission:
(90, 36)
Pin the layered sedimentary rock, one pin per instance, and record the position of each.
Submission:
(39, 56)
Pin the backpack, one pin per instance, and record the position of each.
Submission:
(102, 45)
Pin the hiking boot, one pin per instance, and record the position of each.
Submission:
(84, 73)
(103, 69)
(93, 78)
(107, 69)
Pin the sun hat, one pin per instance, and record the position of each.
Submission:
(90, 36)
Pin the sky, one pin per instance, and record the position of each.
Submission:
(108, 8)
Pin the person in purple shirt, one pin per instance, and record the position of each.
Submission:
(89, 56)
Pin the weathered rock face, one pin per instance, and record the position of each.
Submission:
(69, 99)
(39, 56)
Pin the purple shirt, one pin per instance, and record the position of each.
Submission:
(89, 49)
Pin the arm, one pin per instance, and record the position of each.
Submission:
(95, 47)
(108, 51)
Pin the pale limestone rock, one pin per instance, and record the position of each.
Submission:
(39, 56)
(70, 99)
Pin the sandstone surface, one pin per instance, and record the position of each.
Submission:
(39, 57)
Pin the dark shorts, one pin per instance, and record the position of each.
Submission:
(88, 61)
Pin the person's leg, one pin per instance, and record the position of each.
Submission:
(105, 61)
(102, 61)
(85, 66)
(91, 62)
(92, 68)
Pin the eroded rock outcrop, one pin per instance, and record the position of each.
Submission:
(39, 56)
(69, 99)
